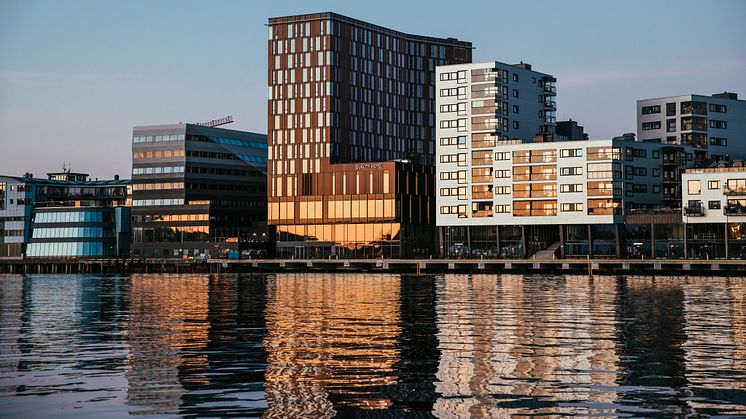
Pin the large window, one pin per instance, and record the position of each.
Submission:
(647, 126)
(647, 110)
(535, 208)
(69, 217)
(2, 195)
(694, 187)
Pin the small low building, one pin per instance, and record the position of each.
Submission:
(66, 215)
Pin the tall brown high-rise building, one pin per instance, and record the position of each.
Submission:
(352, 136)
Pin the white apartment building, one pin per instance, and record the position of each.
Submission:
(715, 126)
(496, 102)
(714, 212)
(568, 182)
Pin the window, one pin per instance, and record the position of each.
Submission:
(671, 125)
(656, 154)
(454, 158)
(656, 189)
(454, 123)
(460, 141)
(647, 126)
(713, 205)
(515, 93)
(454, 75)
(454, 91)
(571, 171)
(719, 141)
(502, 155)
(460, 108)
(647, 110)
(571, 207)
(694, 187)
(713, 184)
(656, 172)
(571, 187)
(502, 174)
(502, 209)
(571, 152)
(718, 108)
(515, 77)
(515, 108)
(515, 124)
(502, 190)
(670, 109)
(718, 124)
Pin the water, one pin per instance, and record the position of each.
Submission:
(321, 345)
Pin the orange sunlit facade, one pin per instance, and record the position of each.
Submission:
(351, 134)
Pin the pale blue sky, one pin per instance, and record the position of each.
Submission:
(76, 75)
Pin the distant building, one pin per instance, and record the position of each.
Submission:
(352, 136)
(695, 129)
(714, 126)
(64, 216)
(198, 191)
(570, 131)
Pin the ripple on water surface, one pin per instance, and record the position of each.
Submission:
(341, 344)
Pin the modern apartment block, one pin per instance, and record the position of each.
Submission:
(64, 216)
(715, 211)
(198, 191)
(714, 126)
(511, 200)
(352, 136)
(495, 102)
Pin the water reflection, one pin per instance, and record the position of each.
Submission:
(324, 345)
(332, 342)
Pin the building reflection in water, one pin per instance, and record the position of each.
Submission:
(332, 343)
(716, 344)
(167, 317)
(11, 295)
(512, 345)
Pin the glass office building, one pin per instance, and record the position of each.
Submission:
(64, 216)
(351, 136)
(199, 191)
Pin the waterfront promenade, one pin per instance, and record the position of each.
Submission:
(429, 266)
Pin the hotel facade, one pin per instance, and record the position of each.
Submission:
(352, 136)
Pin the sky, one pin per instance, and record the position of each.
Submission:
(77, 75)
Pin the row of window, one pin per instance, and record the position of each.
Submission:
(67, 232)
(156, 202)
(157, 138)
(686, 124)
(80, 249)
(159, 170)
(166, 218)
(69, 217)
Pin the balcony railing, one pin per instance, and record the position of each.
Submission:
(734, 210)
(694, 211)
(734, 191)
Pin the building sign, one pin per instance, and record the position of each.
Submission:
(217, 122)
(368, 166)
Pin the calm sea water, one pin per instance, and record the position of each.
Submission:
(320, 345)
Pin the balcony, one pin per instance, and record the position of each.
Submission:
(550, 105)
(550, 89)
(694, 211)
(734, 191)
(734, 210)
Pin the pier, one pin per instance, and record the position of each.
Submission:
(421, 266)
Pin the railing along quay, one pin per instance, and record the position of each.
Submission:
(422, 266)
